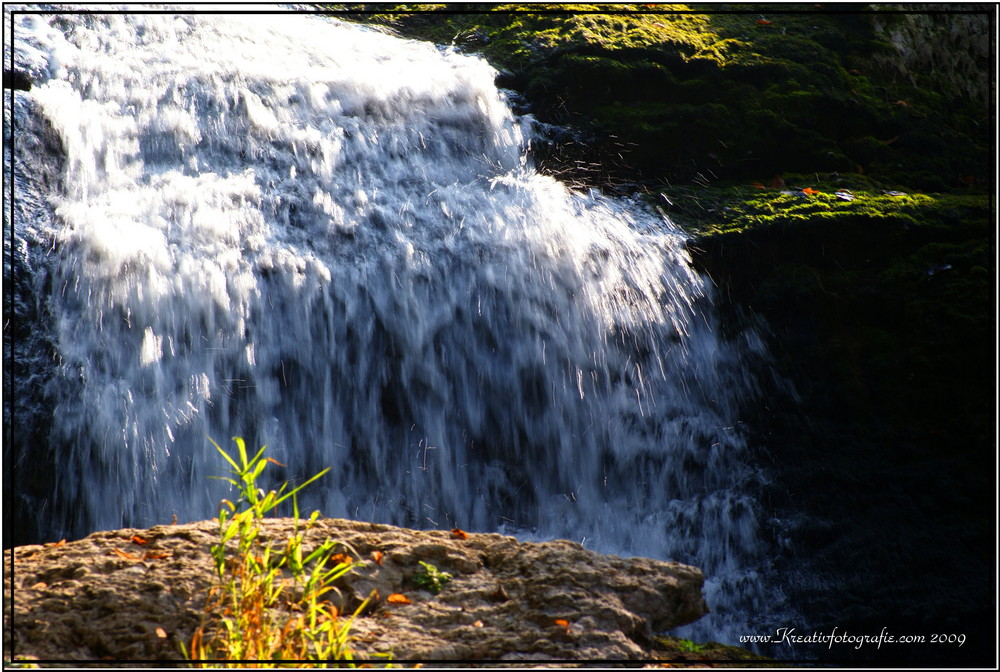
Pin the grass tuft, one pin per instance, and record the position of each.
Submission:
(271, 602)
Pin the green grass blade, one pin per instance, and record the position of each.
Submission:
(225, 455)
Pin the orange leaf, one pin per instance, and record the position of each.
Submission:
(377, 557)
(53, 544)
(155, 555)
(562, 623)
(138, 540)
(341, 559)
(477, 624)
(764, 22)
(459, 534)
(125, 555)
(161, 633)
(397, 598)
(810, 190)
(273, 461)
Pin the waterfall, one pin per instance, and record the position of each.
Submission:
(330, 240)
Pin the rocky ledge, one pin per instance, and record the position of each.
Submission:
(139, 594)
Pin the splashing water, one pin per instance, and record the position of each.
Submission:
(329, 240)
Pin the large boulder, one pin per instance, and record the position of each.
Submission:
(96, 598)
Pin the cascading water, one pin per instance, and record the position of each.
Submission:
(329, 240)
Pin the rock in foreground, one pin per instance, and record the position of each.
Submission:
(97, 598)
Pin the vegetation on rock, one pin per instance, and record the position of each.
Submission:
(431, 578)
(684, 650)
(270, 603)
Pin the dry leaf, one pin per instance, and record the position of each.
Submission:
(53, 544)
(125, 555)
(397, 598)
(477, 624)
(377, 557)
(273, 461)
(138, 540)
(41, 585)
(341, 559)
(459, 534)
(155, 555)
(161, 633)
(562, 623)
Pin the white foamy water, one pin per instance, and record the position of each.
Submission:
(329, 240)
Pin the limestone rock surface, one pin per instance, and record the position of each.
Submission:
(106, 597)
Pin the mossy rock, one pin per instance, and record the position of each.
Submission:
(895, 292)
(691, 653)
(805, 91)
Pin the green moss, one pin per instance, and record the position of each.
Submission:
(718, 210)
(675, 649)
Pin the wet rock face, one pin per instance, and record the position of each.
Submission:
(949, 51)
(108, 597)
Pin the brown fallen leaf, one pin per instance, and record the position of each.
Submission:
(161, 633)
(41, 585)
(377, 557)
(459, 534)
(397, 598)
(155, 555)
(125, 555)
(136, 539)
(562, 623)
(53, 544)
